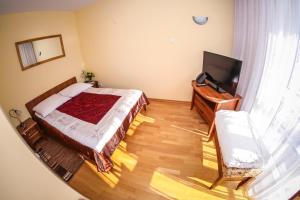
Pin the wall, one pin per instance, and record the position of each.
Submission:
(22, 175)
(153, 45)
(18, 87)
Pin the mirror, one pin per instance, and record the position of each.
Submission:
(36, 51)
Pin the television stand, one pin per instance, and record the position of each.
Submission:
(208, 101)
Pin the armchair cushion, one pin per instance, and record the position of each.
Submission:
(238, 144)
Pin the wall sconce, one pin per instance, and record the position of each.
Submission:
(14, 113)
(200, 20)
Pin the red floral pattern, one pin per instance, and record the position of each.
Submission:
(89, 107)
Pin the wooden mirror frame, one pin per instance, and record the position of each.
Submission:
(44, 61)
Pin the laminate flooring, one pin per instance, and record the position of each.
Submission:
(162, 157)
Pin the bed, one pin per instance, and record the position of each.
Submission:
(93, 133)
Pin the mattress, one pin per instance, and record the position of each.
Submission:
(96, 135)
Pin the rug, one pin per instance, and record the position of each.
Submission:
(61, 159)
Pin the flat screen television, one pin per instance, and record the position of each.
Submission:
(224, 71)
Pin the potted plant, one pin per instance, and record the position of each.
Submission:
(88, 76)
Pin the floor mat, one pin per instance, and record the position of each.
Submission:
(61, 159)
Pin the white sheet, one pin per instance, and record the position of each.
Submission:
(91, 135)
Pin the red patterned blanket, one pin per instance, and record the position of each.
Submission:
(89, 107)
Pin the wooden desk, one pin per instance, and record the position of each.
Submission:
(208, 101)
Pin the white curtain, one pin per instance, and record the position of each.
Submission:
(250, 46)
(267, 39)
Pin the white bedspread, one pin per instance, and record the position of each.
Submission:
(91, 135)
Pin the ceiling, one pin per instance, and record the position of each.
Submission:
(13, 6)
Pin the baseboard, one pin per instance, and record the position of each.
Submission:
(169, 100)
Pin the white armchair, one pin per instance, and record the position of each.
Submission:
(238, 148)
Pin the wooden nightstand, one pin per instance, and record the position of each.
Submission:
(94, 83)
(31, 132)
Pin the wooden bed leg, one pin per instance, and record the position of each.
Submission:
(218, 181)
(245, 180)
(145, 108)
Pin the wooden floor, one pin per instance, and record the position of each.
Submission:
(162, 157)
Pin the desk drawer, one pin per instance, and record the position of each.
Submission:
(32, 131)
(205, 111)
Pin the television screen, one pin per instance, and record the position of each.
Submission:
(225, 71)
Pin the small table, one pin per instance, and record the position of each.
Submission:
(94, 83)
(30, 131)
(208, 101)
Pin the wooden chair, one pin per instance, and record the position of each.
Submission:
(235, 129)
(232, 174)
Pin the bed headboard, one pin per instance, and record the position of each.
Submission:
(47, 94)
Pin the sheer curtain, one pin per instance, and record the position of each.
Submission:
(267, 39)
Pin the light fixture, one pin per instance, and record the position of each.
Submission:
(14, 113)
(201, 20)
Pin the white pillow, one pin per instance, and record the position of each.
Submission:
(74, 89)
(48, 105)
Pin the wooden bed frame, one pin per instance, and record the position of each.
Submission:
(101, 159)
(30, 105)
(52, 131)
